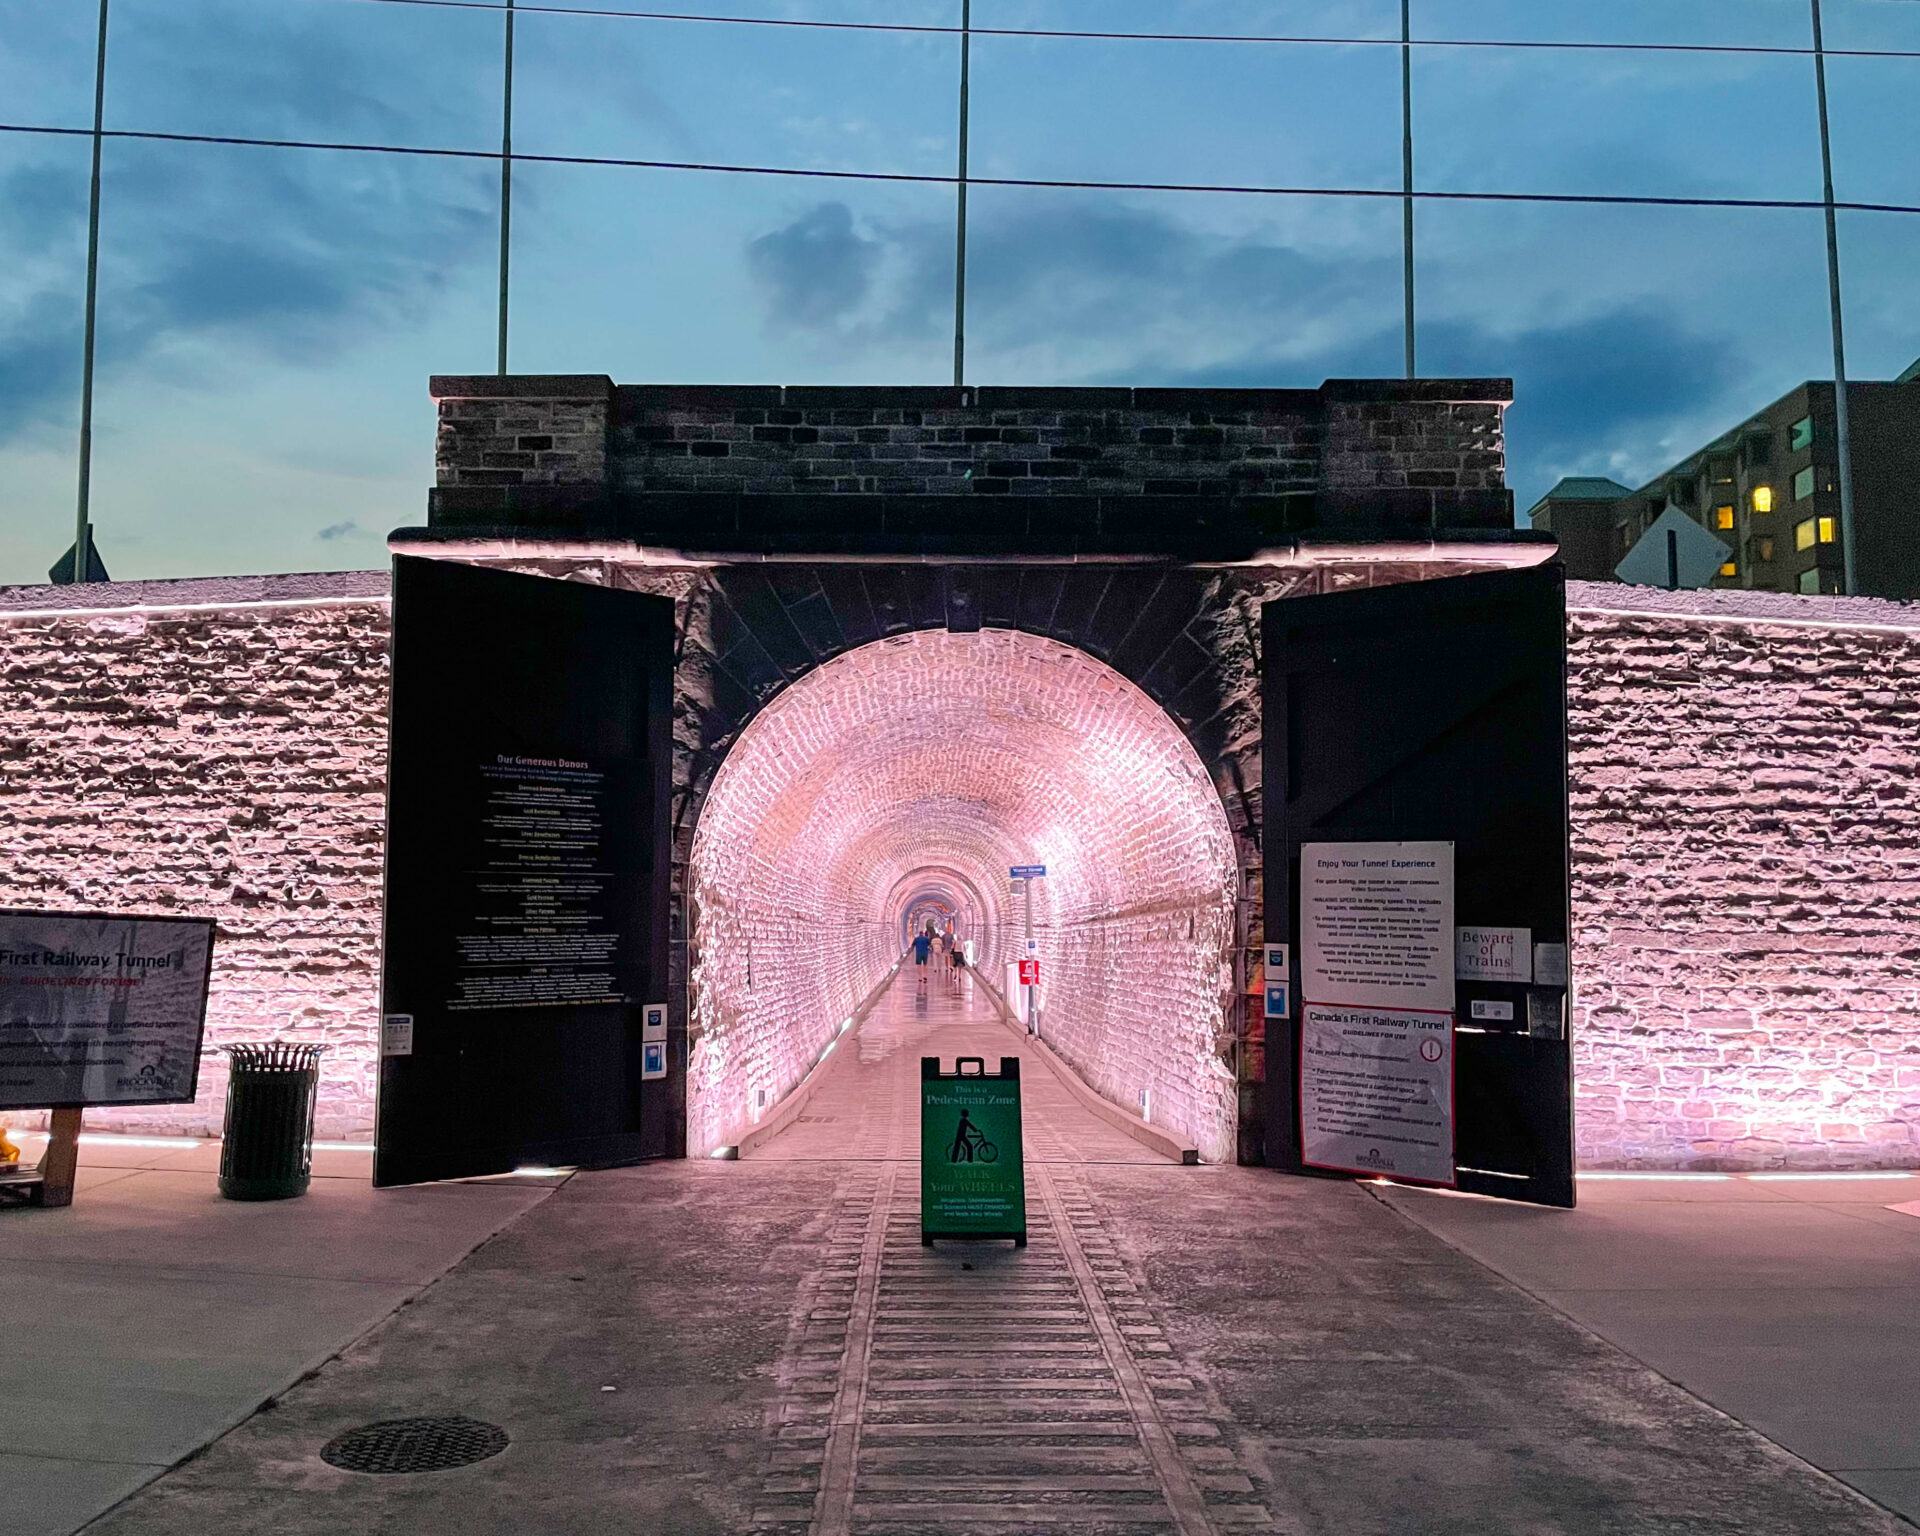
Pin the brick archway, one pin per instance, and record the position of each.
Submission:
(1185, 635)
(927, 763)
(1144, 526)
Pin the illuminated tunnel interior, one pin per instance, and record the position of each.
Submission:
(898, 783)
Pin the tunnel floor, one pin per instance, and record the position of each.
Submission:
(866, 1105)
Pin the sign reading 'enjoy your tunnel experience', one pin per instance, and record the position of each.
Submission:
(972, 1175)
(1376, 924)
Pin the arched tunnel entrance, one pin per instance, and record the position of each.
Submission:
(898, 783)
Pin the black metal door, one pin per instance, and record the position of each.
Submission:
(1436, 711)
(527, 867)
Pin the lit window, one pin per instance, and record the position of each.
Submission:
(1803, 535)
(1763, 549)
(1810, 581)
(1723, 517)
(1731, 568)
(1829, 529)
(1801, 434)
(1763, 498)
(1803, 484)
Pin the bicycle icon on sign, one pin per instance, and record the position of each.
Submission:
(970, 1145)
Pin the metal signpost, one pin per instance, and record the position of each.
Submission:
(1026, 874)
(972, 1172)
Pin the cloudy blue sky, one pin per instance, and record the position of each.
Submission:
(268, 319)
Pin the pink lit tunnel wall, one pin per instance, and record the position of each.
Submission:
(900, 782)
(940, 895)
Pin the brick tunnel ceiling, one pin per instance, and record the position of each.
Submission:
(909, 775)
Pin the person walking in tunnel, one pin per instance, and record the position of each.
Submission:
(922, 947)
(954, 958)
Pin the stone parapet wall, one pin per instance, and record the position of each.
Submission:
(523, 429)
(1435, 445)
(1414, 445)
(933, 441)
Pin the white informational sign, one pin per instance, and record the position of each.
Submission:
(101, 1010)
(1275, 960)
(396, 1034)
(1493, 954)
(1376, 1092)
(653, 1023)
(1550, 965)
(653, 1059)
(1279, 1001)
(1376, 925)
(1491, 1008)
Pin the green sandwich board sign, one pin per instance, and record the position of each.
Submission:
(972, 1176)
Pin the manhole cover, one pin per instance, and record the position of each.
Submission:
(415, 1445)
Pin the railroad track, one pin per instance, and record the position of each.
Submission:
(976, 1389)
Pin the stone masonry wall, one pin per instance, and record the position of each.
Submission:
(226, 760)
(1430, 445)
(1746, 897)
(675, 441)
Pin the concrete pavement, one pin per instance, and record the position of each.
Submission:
(764, 1346)
(151, 1316)
(1790, 1302)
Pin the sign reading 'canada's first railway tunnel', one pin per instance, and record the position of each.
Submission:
(98, 1009)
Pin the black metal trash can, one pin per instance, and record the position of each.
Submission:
(267, 1153)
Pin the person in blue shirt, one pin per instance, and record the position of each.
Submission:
(922, 946)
